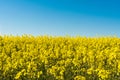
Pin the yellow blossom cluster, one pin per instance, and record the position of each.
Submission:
(29, 57)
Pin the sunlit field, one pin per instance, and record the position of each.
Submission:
(59, 58)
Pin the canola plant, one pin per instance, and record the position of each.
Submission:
(59, 58)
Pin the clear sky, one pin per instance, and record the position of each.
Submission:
(60, 17)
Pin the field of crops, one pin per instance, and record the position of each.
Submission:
(59, 58)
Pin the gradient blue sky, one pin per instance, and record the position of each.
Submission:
(60, 17)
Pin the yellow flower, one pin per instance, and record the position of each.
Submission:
(39, 74)
(79, 78)
(18, 75)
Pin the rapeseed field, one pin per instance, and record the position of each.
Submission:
(29, 57)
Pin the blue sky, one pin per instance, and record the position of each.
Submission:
(60, 17)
